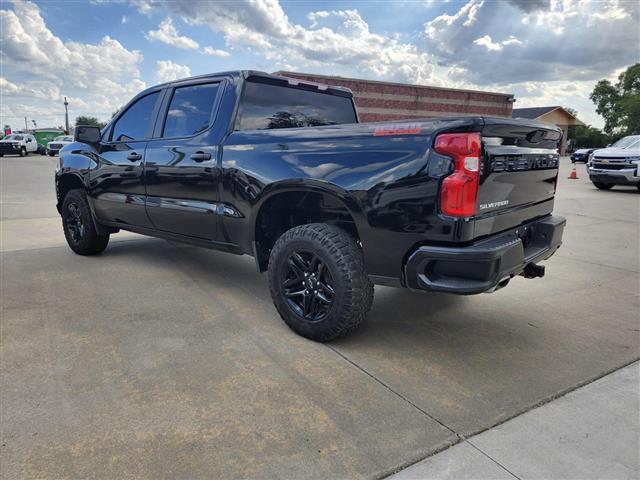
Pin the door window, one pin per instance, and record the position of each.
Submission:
(135, 122)
(190, 110)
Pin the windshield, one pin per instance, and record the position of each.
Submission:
(13, 137)
(63, 138)
(627, 142)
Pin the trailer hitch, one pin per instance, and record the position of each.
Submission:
(531, 270)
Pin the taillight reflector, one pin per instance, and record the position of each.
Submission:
(459, 192)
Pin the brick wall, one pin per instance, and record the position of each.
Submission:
(379, 101)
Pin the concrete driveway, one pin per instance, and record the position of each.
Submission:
(160, 360)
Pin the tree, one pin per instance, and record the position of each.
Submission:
(586, 136)
(84, 120)
(619, 104)
(572, 111)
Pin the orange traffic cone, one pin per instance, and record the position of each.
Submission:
(573, 175)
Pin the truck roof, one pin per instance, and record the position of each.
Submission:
(265, 78)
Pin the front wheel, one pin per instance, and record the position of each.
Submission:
(23, 152)
(603, 186)
(318, 282)
(79, 229)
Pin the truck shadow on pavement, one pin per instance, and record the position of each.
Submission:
(397, 315)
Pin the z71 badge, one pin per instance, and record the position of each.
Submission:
(485, 206)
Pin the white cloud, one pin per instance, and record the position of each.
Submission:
(105, 74)
(261, 27)
(168, 71)
(168, 34)
(214, 52)
(562, 39)
(492, 46)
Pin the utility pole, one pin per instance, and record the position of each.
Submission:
(66, 116)
(26, 128)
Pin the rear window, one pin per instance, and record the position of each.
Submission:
(190, 110)
(264, 107)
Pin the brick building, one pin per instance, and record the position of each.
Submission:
(380, 101)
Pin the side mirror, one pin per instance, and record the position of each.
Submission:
(87, 134)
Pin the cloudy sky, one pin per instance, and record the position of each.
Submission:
(100, 53)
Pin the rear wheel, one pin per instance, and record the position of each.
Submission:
(79, 229)
(603, 186)
(318, 282)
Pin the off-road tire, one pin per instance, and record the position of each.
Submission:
(343, 258)
(88, 242)
(603, 186)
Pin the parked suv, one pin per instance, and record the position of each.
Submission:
(581, 155)
(618, 164)
(280, 169)
(18, 144)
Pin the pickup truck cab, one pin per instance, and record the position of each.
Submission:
(280, 169)
(618, 164)
(18, 144)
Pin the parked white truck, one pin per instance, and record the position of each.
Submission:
(618, 164)
(18, 144)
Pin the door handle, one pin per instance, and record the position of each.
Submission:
(134, 157)
(200, 156)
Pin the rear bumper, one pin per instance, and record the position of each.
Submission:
(484, 265)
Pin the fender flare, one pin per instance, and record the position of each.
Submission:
(350, 203)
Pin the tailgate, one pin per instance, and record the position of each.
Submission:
(519, 171)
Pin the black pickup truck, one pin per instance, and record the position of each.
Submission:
(280, 169)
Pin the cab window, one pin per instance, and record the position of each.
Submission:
(190, 110)
(134, 124)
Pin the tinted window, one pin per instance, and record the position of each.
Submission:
(270, 106)
(190, 110)
(134, 123)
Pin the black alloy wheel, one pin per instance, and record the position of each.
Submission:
(307, 286)
(78, 225)
(318, 282)
(73, 222)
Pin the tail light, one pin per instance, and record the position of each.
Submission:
(459, 192)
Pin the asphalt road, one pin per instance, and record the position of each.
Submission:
(161, 360)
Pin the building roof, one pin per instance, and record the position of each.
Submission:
(533, 112)
(328, 78)
(536, 113)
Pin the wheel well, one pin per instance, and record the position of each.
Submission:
(290, 209)
(66, 183)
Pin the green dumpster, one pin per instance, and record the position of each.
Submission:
(44, 136)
